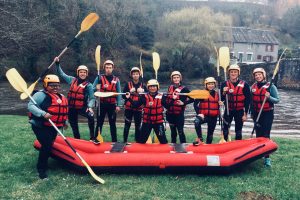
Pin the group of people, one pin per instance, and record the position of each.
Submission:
(146, 105)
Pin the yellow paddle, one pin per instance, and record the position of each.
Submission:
(20, 85)
(156, 62)
(97, 58)
(224, 59)
(86, 24)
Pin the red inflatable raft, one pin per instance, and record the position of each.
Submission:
(119, 157)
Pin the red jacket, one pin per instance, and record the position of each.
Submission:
(76, 94)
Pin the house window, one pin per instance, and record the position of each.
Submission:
(249, 56)
(231, 55)
(268, 58)
(258, 57)
(269, 48)
(240, 58)
(250, 45)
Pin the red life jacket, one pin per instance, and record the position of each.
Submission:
(76, 94)
(153, 109)
(175, 108)
(236, 96)
(258, 95)
(58, 109)
(107, 86)
(210, 106)
(134, 97)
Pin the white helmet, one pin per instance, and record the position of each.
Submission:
(108, 62)
(259, 69)
(152, 82)
(210, 80)
(82, 67)
(135, 69)
(234, 67)
(176, 73)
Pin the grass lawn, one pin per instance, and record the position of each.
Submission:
(19, 178)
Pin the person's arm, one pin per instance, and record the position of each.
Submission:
(274, 97)
(61, 74)
(90, 95)
(118, 87)
(165, 102)
(186, 99)
(39, 97)
(196, 106)
(247, 93)
(125, 89)
(136, 104)
(96, 82)
(223, 95)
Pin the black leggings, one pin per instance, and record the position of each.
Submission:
(110, 110)
(237, 115)
(159, 130)
(211, 125)
(46, 136)
(264, 125)
(73, 119)
(176, 123)
(129, 114)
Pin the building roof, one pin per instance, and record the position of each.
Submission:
(248, 35)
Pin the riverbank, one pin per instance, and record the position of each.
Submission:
(19, 178)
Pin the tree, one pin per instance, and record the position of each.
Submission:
(186, 37)
(290, 22)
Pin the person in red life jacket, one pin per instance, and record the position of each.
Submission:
(260, 90)
(108, 105)
(239, 98)
(134, 87)
(207, 112)
(153, 107)
(80, 98)
(50, 105)
(175, 113)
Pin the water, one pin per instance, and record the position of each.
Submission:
(286, 122)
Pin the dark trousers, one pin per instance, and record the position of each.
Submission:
(73, 119)
(211, 125)
(176, 123)
(264, 125)
(110, 110)
(159, 130)
(237, 115)
(46, 136)
(129, 114)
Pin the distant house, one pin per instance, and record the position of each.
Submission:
(250, 45)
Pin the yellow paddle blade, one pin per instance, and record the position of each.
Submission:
(97, 178)
(222, 140)
(149, 141)
(156, 140)
(15, 79)
(197, 94)
(229, 137)
(141, 66)
(224, 57)
(277, 64)
(97, 56)
(99, 137)
(106, 94)
(156, 62)
(30, 90)
(89, 21)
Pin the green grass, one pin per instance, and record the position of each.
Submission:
(19, 178)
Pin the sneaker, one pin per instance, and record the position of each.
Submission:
(267, 162)
(198, 142)
(95, 141)
(43, 175)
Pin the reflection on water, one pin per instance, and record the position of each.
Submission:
(286, 122)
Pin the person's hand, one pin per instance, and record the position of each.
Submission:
(221, 103)
(127, 95)
(56, 60)
(66, 126)
(47, 116)
(118, 109)
(175, 95)
(201, 115)
(90, 111)
(244, 118)
(179, 102)
(225, 89)
(267, 95)
(140, 90)
(98, 86)
(132, 90)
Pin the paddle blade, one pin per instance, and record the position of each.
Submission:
(97, 178)
(198, 94)
(224, 57)
(30, 90)
(97, 57)
(156, 140)
(141, 66)
(156, 62)
(99, 137)
(16, 80)
(149, 141)
(278, 63)
(89, 21)
(105, 94)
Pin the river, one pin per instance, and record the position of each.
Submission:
(286, 121)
